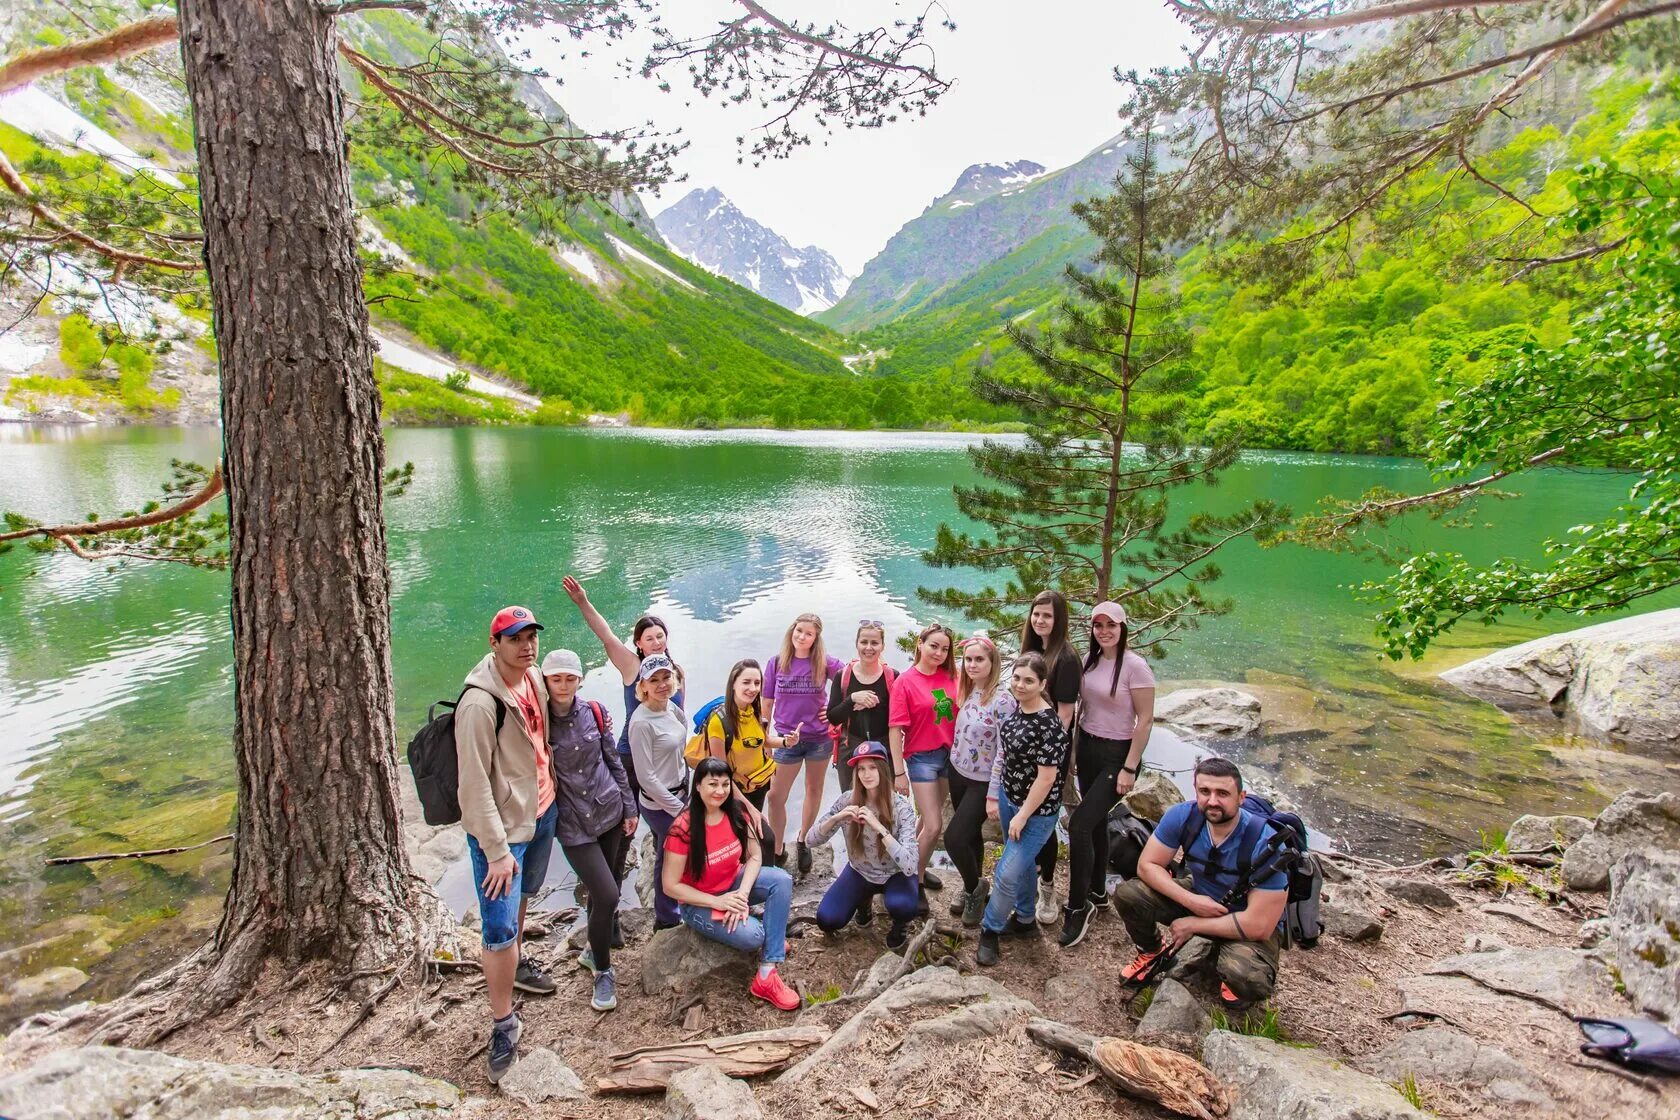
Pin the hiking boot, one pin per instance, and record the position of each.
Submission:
(1075, 924)
(866, 912)
(1140, 965)
(530, 978)
(773, 990)
(1047, 906)
(1230, 1001)
(959, 903)
(897, 934)
(1015, 927)
(975, 908)
(803, 853)
(605, 997)
(931, 881)
(504, 1047)
(617, 941)
(987, 954)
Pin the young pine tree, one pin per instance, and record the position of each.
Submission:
(1083, 504)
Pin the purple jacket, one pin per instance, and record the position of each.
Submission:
(590, 789)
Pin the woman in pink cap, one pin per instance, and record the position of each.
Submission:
(1116, 712)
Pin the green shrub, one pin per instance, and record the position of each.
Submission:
(79, 345)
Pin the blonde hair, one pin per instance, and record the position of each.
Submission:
(860, 840)
(988, 688)
(819, 656)
(641, 685)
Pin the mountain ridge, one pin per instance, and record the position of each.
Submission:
(712, 232)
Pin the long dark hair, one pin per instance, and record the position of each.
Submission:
(1057, 644)
(643, 625)
(1093, 653)
(731, 712)
(711, 767)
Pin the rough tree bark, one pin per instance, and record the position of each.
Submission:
(319, 871)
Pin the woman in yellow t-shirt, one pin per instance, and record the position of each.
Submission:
(736, 734)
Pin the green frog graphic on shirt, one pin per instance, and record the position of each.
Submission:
(944, 708)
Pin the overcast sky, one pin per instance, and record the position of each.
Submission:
(1034, 80)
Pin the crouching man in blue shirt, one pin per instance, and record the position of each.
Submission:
(1222, 843)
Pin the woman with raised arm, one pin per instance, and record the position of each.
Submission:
(981, 708)
(716, 874)
(1116, 714)
(796, 689)
(921, 720)
(880, 829)
(1046, 633)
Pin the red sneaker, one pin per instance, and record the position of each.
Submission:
(1231, 1000)
(772, 989)
(1140, 965)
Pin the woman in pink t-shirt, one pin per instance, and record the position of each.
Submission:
(921, 719)
(1116, 713)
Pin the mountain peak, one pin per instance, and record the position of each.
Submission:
(983, 180)
(710, 230)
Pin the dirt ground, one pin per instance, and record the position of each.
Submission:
(1338, 997)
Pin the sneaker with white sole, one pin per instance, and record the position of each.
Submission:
(504, 1048)
(605, 996)
(1048, 910)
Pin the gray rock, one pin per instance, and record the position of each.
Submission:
(1335, 871)
(1153, 795)
(1593, 931)
(96, 1083)
(1276, 1082)
(1437, 1053)
(1192, 960)
(644, 863)
(678, 958)
(1645, 930)
(1617, 680)
(50, 983)
(541, 1076)
(1217, 712)
(706, 1093)
(1352, 911)
(1418, 891)
(1174, 1018)
(1570, 978)
(1632, 822)
(1529, 833)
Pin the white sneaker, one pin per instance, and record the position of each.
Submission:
(1049, 913)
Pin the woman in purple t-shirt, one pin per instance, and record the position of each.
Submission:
(795, 698)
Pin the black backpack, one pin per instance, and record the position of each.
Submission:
(1284, 849)
(434, 763)
(1127, 835)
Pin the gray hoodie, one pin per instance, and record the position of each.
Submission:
(498, 784)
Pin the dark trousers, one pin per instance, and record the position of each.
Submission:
(963, 838)
(766, 842)
(850, 892)
(624, 849)
(1248, 968)
(1096, 767)
(842, 765)
(665, 910)
(594, 863)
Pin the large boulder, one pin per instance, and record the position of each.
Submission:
(1438, 1053)
(1174, 1019)
(1153, 795)
(1276, 1082)
(1529, 833)
(1216, 712)
(1617, 680)
(1645, 930)
(1352, 910)
(677, 959)
(1632, 822)
(1571, 979)
(706, 1093)
(97, 1082)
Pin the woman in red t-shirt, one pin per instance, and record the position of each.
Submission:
(718, 874)
(921, 717)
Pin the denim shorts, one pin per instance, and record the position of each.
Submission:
(804, 749)
(498, 918)
(928, 766)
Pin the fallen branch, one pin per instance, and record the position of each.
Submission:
(649, 1069)
(1152, 1073)
(1644, 1083)
(905, 966)
(58, 861)
(1517, 915)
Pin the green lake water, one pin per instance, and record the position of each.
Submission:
(115, 687)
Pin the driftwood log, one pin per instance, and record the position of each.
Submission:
(1173, 1080)
(650, 1068)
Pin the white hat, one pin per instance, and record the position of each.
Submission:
(562, 661)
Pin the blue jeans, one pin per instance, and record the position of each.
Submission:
(766, 937)
(498, 918)
(664, 906)
(927, 766)
(851, 892)
(1015, 879)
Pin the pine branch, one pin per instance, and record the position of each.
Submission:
(1308, 25)
(129, 39)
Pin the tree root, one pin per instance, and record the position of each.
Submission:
(363, 1014)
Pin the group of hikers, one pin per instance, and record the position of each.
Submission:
(538, 765)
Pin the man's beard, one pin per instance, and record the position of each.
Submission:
(1216, 814)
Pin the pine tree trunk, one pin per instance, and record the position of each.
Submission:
(319, 870)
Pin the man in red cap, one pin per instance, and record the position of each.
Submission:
(508, 810)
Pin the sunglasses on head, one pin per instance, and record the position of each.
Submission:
(877, 623)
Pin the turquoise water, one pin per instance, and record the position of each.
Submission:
(116, 686)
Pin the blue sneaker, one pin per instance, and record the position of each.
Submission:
(606, 993)
(586, 959)
(504, 1047)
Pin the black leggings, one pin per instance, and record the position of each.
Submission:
(766, 842)
(623, 853)
(964, 841)
(595, 864)
(1096, 766)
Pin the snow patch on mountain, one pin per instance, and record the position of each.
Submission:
(708, 229)
(627, 253)
(47, 119)
(983, 180)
